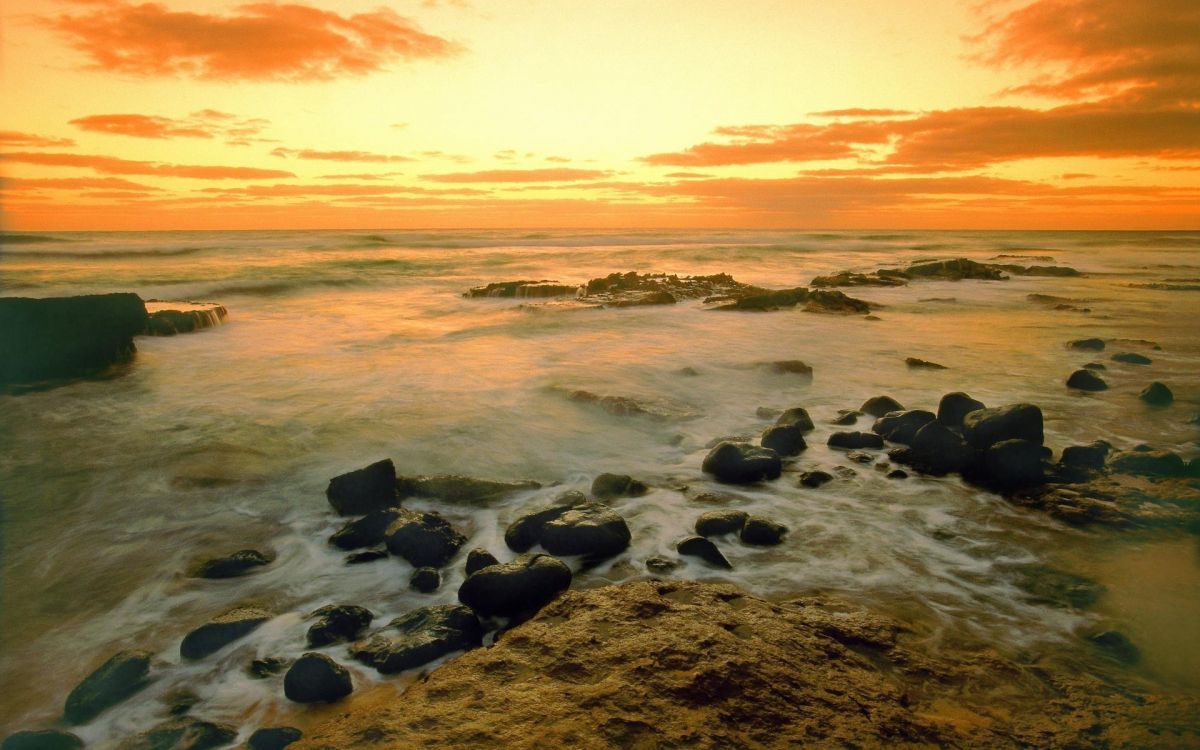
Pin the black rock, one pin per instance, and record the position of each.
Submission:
(860, 457)
(593, 530)
(738, 463)
(273, 738)
(1013, 463)
(985, 427)
(1086, 380)
(1090, 345)
(367, 531)
(608, 486)
(479, 558)
(516, 588)
(902, 426)
(815, 478)
(716, 522)
(315, 678)
(954, 406)
(1157, 394)
(698, 546)
(364, 490)
(853, 440)
(419, 637)
(660, 565)
(371, 555)
(338, 622)
(790, 367)
(1117, 646)
(897, 474)
(936, 449)
(786, 440)
(1089, 457)
(46, 739)
(1148, 463)
(762, 532)
(796, 416)
(880, 405)
(526, 531)
(221, 631)
(460, 490)
(185, 733)
(1095, 366)
(425, 580)
(424, 539)
(846, 417)
(260, 669)
(237, 564)
(112, 682)
(921, 364)
(1131, 358)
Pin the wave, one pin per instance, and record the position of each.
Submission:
(7, 238)
(275, 288)
(108, 255)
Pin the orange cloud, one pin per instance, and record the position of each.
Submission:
(113, 165)
(259, 41)
(29, 140)
(519, 175)
(363, 156)
(862, 112)
(206, 123)
(71, 183)
(265, 191)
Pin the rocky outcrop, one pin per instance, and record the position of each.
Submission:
(850, 278)
(367, 531)
(717, 522)
(786, 440)
(823, 301)
(762, 532)
(766, 300)
(425, 580)
(316, 678)
(112, 682)
(479, 558)
(221, 631)
(938, 450)
(194, 316)
(515, 589)
(914, 363)
(797, 416)
(364, 490)
(524, 289)
(592, 530)
(739, 463)
(419, 637)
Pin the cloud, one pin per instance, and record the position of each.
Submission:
(113, 165)
(72, 183)
(258, 41)
(862, 112)
(207, 123)
(281, 190)
(29, 140)
(519, 175)
(356, 156)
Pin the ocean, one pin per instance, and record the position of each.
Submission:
(346, 347)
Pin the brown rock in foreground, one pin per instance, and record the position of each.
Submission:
(656, 664)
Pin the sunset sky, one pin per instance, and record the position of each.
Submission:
(206, 114)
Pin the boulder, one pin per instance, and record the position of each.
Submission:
(984, 427)
(526, 531)
(67, 337)
(1131, 358)
(45, 739)
(815, 478)
(479, 558)
(879, 406)
(796, 416)
(786, 440)
(1086, 380)
(762, 532)
(1152, 463)
(739, 463)
(1087, 345)
(366, 556)
(920, 364)
(419, 637)
(846, 417)
(789, 367)
(1099, 367)
(424, 539)
(338, 622)
(112, 682)
(364, 490)
(273, 738)
(186, 733)
(897, 474)
(698, 546)
(425, 580)
(221, 631)
(237, 564)
(315, 678)
(936, 449)
(1157, 394)
(716, 522)
(367, 531)
(954, 406)
(517, 588)
(1090, 457)
(854, 440)
(1009, 464)
(608, 486)
(592, 530)
(460, 490)
(902, 426)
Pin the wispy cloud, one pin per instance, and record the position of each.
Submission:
(354, 156)
(206, 123)
(30, 140)
(113, 165)
(519, 175)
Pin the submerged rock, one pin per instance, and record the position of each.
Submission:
(1131, 358)
(112, 682)
(698, 546)
(954, 406)
(168, 322)
(1059, 588)
(185, 733)
(537, 289)
(765, 300)
(460, 490)
(260, 669)
(608, 486)
(273, 738)
(237, 564)
(815, 478)
(846, 417)
(1157, 394)
(221, 631)
(786, 440)
(849, 278)
(879, 406)
(1086, 380)
(984, 427)
(517, 588)
(623, 406)
(424, 539)
(339, 622)
(366, 556)
(315, 678)
(1154, 463)
(45, 739)
(1090, 457)
(739, 463)
(1087, 345)
(921, 364)
(364, 490)
(716, 522)
(789, 367)
(854, 440)
(821, 301)
(367, 531)
(762, 532)
(419, 637)
(1117, 646)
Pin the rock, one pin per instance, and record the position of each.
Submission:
(425, 580)
(45, 739)
(1131, 358)
(738, 463)
(660, 565)
(897, 474)
(273, 738)
(880, 406)
(1086, 380)
(767, 300)
(1059, 588)
(608, 486)
(419, 637)
(315, 678)
(854, 440)
(766, 412)
(517, 588)
(371, 555)
(797, 416)
(479, 558)
(698, 546)
(180, 701)
(367, 531)
(424, 539)
(821, 301)
(185, 733)
(112, 682)
(1157, 394)
(846, 417)
(938, 450)
(1087, 345)
(1117, 646)
(849, 278)
(689, 371)
(1090, 457)
(762, 532)
(789, 367)
(260, 669)
(860, 457)
(623, 406)
(523, 288)
(237, 564)
(815, 478)
(716, 522)
(592, 530)
(167, 322)
(786, 440)
(921, 364)
(984, 427)
(221, 631)
(1153, 463)
(339, 622)
(955, 269)
(1013, 463)
(460, 490)
(1095, 366)
(526, 531)
(661, 297)
(67, 337)
(364, 490)
(902, 426)
(954, 406)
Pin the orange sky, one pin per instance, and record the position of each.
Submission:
(206, 114)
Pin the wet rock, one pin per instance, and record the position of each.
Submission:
(954, 406)
(1087, 345)
(1097, 366)
(112, 682)
(1131, 358)
(821, 301)
(762, 532)
(592, 530)
(1157, 394)
(526, 531)
(984, 427)
(237, 564)
(364, 490)
(938, 450)
(921, 364)
(766, 412)
(367, 531)
(716, 522)
(460, 490)
(738, 463)
(425, 580)
(897, 474)
(424, 539)
(955, 269)
(371, 555)
(1059, 588)
(1090, 457)
(846, 417)
(1153, 463)
(853, 440)
(789, 367)
(660, 565)
(221, 631)
(45, 739)
(698, 546)
(902, 426)
(338, 622)
(1117, 646)
(1013, 463)
(879, 406)
(516, 588)
(260, 669)
(786, 440)
(1086, 380)
(608, 486)
(815, 478)
(315, 678)
(690, 372)
(419, 637)
(185, 733)
(623, 406)
(849, 278)
(797, 416)
(273, 738)
(172, 322)
(859, 457)
(765, 300)
(479, 558)
(67, 337)
(523, 288)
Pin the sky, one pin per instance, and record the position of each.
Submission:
(207, 114)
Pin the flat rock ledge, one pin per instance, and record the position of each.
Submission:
(658, 664)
